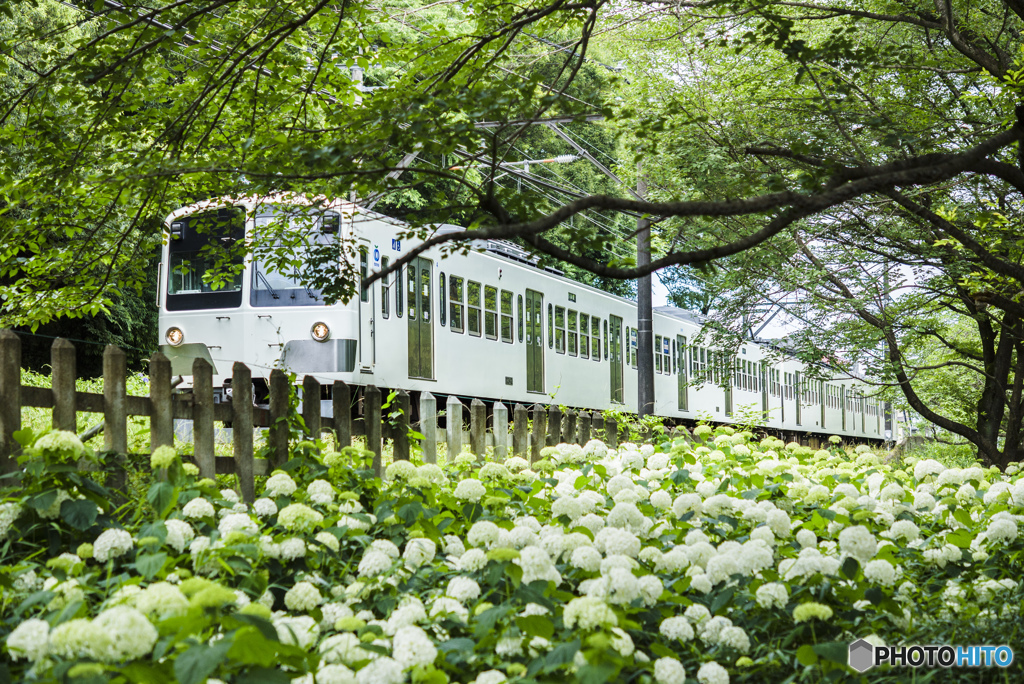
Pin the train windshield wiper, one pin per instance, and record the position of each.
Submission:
(262, 277)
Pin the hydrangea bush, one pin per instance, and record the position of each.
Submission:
(725, 559)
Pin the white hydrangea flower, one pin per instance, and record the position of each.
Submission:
(472, 560)
(291, 549)
(490, 677)
(669, 671)
(198, 508)
(772, 595)
(30, 640)
(301, 631)
(483, 533)
(588, 612)
(133, 635)
(419, 551)
(280, 484)
(374, 563)
(859, 542)
(303, 597)
(112, 543)
(882, 572)
(412, 647)
(470, 489)
(712, 673)
(677, 627)
(463, 589)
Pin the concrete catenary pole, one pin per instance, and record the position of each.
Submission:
(644, 311)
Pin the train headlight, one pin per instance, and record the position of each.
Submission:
(174, 336)
(320, 332)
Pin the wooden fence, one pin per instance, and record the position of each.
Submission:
(163, 406)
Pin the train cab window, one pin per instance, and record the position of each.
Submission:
(364, 292)
(442, 309)
(399, 293)
(657, 354)
(551, 334)
(455, 310)
(584, 336)
(506, 317)
(519, 303)
(674, 357)
(595, 338)
(606, 340)
(385, 294)
(572, 332)
(560, 329)
(473, 307)
(491, 312)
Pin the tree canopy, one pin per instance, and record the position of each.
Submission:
(863, 156)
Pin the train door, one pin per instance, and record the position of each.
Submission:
(367, 347)
(683, 388)
(420, 315)
(763, 370)
(796, 395)
(615, 356)
(534, 341)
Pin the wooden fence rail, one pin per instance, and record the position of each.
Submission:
(163, 406)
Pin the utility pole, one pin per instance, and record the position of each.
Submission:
(644, 312)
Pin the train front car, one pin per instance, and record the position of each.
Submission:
(224, 302)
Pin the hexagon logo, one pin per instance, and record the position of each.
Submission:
(862, 655)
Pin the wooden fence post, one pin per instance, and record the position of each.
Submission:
(63, 375)
(311, 407)
(540, 420)
(554, 425)
(597, 424)
(428, 426)
(371, 422)
(161, 420)
(478, 428)
(278, 432)
(611, 427)
(583, 428)
(341, 398)
(453, 410)
(10, 407)
(115, 411)
(569, 427)
(500, 432)
(400, 435)
(202, 417)
(520, 431)
(241, 423)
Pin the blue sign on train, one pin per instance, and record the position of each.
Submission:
(396, 245)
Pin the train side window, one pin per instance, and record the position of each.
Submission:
(632, 347)
(364, 292)
(473, 306)
(657, 354)
(411, 279)
(455, 305)
(551, 334)
(606, 340)
(595, 338)
(442, 308)
(674, 352)
(491, 312)
(560, 329)
(385, 302)
(507, 333)
(425, 294)
(584, 336)
(572, 332)
(399, 293)
(519, 302)
(666, 356)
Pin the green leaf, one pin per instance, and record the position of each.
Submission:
(161, 497)
(536, 625)
(263, 675)
(806, 655)
(80, 513)
(198, 662)
(722, 599)
(850, 567)
(145, 673)
(42, 501)
(487, 619)
(835, 651)
(150, 563)
(960, 538)
(595, 674)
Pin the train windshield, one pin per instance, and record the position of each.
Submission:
(205, 264)
(296, 248)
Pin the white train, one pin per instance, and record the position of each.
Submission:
(487, 324)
